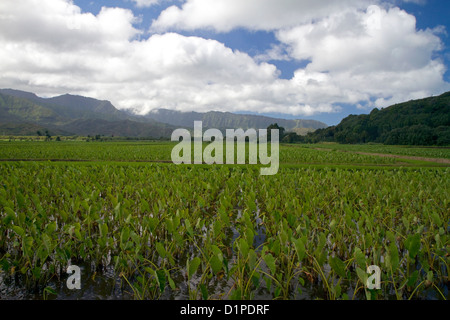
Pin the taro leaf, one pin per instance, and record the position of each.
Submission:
(77, 231)
(124, 235)
(51, 227)
(27, 245)
(161, 250)
(275, 247)
(42, 253)
(413, 278)
(216, 264)
(360, 258)
(393, 251)
(103, 230)
(204, 291)
(255, 280)
(20, 200)
(337, 265)
(18, 230)
(189, 228)
(361, 275)
(332, 224)
(236, 294)
(36, 272)
(243, 246)
(270, 261)
(170, 229)
(47, 241)
(252, 257)
(161, 277)
(300, 248)
(250, 235)
(430, 276)
(215, 249)
(390, 236)
(436, 219)
(9, 215)
(171, 282)
(414, 245)
(193, 266)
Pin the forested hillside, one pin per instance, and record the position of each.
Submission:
(417, 122)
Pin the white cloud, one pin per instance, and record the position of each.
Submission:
(422, 2)
(355, 56)
(99, 56)
(145, 3)
(225, 15)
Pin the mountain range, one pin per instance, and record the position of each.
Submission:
(25, 113)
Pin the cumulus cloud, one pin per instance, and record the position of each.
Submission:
(371, 57)
(50, 47)
(357, 55)
(225, 15)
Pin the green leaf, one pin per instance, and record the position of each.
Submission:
(338, 266)
(161, 250)
(161, 277)
(171, 282)
(413, 278)
(10, 215)
(270, 261)
(216, 264)
(204, 291)
(47, 241)
(360, 258)
(124, 235)
(252, 257)
(103, 230)
(393, 251)
(193, 266)
(436, 219)
(362, 275)
(51, 227)
(20, 200)
(390, 236)
(189, 228)
(243, 247)
(300, 248)
(215, 249)
(18, 230)
(414, 245)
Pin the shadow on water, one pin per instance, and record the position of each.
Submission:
(103, 285)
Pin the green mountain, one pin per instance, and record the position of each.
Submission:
(227, 120)
(73, 107)
(416, 122)
(26, 113)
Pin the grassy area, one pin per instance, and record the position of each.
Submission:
(430, 152)
(161, 151)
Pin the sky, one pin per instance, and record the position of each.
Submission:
(304, 59)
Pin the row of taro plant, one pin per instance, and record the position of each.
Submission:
(221, 232)
(326, 227)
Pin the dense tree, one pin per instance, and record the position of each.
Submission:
(418, 122)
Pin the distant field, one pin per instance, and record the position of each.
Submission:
(148, 230)
(431, 152)
(161, 151)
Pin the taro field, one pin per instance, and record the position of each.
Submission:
(141, 227)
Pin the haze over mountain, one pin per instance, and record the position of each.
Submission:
(24, 113)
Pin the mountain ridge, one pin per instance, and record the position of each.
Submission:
(79, 115)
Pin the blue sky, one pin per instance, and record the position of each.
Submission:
(304, 59)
